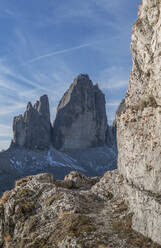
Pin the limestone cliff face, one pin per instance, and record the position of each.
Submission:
(81, 120)
(33, 129)
(139, 127)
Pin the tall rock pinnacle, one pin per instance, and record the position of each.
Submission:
(81, 120)
(33, 129)
(139, 127)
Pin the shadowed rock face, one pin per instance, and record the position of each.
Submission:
(33, 129)
(81, 120)
(112, 130)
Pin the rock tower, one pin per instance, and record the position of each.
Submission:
(81, 120)
(33, 129)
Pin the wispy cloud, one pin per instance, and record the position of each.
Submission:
(114, 82)
(113, 104)
(10, 12)
(89, 10)
(114, 77)
(59, 52)
(5, 130)
(11, 109)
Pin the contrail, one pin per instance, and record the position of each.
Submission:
(58, 52)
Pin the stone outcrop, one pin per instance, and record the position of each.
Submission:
(41, 213)
(81, 120)
(33, 129)
(81, 181)
(139, 127)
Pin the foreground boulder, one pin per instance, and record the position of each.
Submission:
(81, 120)
(139, 127)
(81, 181)
(33, 129)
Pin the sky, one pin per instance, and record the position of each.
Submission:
(45, 44)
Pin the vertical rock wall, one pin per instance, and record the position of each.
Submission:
(81, 120)
(33, 129)
(139, 127)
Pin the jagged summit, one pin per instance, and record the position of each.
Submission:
(81, 120)
(32, 130)
(82, 80)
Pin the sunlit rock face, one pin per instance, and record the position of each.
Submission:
(139, 127)
(146, 48)
(33, 129)
(81, 120)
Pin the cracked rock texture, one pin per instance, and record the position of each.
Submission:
(79, 212)
(139, 127)
(81, 120)
(33, 129)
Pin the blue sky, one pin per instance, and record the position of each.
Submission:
(45, 44)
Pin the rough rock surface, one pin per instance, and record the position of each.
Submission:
(39, 213)
(139, 127)
(81, 181)
(121, 108)
(33, 129)
(81, 120)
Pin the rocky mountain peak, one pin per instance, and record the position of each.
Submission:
(83, 78)
(33, 129)
(82, 81)
(29, 106)
(43, 106)
(81, 120)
